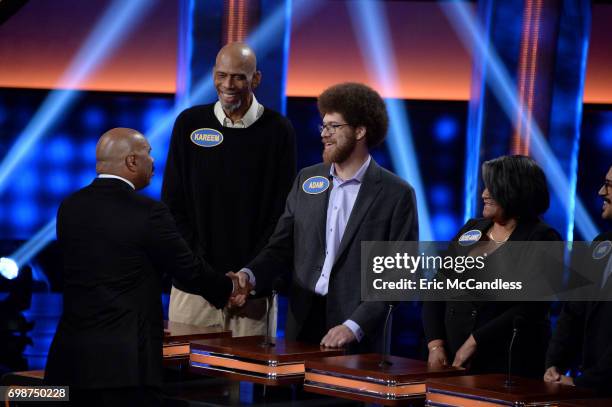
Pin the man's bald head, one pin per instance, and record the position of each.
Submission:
(238, 53)
(125, 152)
(236, 76)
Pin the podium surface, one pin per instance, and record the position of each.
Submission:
(177, 337)
(246, 358)
(489, 390)
(587, 403)
(362, 378)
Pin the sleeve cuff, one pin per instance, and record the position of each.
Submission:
(249, 273)
(355, 329)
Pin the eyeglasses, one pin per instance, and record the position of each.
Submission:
(607, 185)
(331, 127)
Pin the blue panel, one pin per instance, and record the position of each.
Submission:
(58, 182)
(59, 150)
(94, 118)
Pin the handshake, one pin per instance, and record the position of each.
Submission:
(242, 288)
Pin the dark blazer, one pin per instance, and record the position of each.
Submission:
(583, 337)
(492, 323)
(385, 209)
(116, 245)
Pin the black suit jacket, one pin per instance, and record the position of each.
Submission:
(583, 337)
(116, 245)
(384, 210)
(492, 323)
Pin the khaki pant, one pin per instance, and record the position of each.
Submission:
(248, 320)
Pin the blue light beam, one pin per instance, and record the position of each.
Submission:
(370, 25)
(118, 20)
(473, 37)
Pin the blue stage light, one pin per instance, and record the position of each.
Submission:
(604, 135)
(474, 39)
(8, 268)
(24, 215)
(58, 182)
(94, 118)
(29, 249)
(60, 150)
(440, 196)
(446, 129)
(371, 28)
(27, 185)
(106, 36)
(87, 152)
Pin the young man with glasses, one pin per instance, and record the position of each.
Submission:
(584, 330)
(331, 208)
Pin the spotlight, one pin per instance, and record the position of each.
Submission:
(8, 268)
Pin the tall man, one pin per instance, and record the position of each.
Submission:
(116, 245)
(229, 169)
(331, 208)
(584, 330)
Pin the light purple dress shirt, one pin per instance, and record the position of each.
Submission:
(341, 201)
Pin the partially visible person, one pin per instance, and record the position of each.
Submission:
(583, 337)
(226, 195)
(116, 245)
(333, 207)
(477, 335)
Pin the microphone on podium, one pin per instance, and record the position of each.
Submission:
(385, 352)
(517, 323)
(268, 342)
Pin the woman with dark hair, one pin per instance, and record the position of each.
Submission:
(477, 335)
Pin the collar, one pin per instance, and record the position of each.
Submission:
(255, 111)
(117, 177)
(358, 176)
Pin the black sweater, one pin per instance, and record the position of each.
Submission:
(226, 199)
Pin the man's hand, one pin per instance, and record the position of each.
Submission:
(552, 375)
(437, 354)
(465, 352)
(242, 288)
(338, 337)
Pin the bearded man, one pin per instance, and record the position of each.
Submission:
(332, 207)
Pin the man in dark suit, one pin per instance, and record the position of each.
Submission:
(116, 245)
(584, 329)
(331, 208)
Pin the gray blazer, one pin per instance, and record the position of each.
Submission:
(385, 210)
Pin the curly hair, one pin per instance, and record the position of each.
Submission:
(518, 184)
(360, 105)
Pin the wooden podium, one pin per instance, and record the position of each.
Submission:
(490, 391)
(359, 377)
(177, 337)
(246, 358)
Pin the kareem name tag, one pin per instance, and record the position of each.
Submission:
(206, 137)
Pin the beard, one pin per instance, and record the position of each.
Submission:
(341, 150)
(231, 107)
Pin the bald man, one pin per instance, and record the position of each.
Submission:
(230, 167)
(116, 245)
